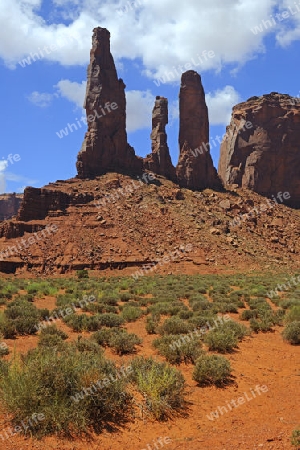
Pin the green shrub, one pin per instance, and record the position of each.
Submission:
(20, 317)
(53, 330)
(50, 382)
(295, 438)
(110, 320)
(82, 274)
(177, 349)
(161, 385)
(123, 342)
(51, 340)
(174, 325)
(131, 313)
(293, 315)
(292, 333)
(212, 369)
(220, 341)
(249, 314)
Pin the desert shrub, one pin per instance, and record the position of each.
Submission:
(125, 296)
(152, 324)
(263, 325)
(103, 336)
(177, 349)
(161, 385)
(54, 331)
(82, 274)
(220, 341)
(295, 438)
(212, 369)
(120, 340)
(78, 323)
(292, 333)
(50, 382)
(293, 314)
(249, 314)
(51, 340)
(288, 303)
(174, 325)
(123, 342)
(238, 330)
(20, 317)
(131, 313)
(110, 320)
(186, 314)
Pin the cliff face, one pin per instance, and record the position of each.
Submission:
(261, 150)
(159, 161)
(9, 205)
(195, 168)
(105, 146)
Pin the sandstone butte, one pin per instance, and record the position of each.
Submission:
(261, 151)
(129, 229)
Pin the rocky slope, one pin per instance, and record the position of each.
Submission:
(261, 151)
(127, 223)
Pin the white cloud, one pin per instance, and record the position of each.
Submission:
(41, 99)
(220, 105)
(139, 110)
(163, 33)
(3, 166)
(72, 91)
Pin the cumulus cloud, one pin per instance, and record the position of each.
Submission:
(72, 91)
(164, 34)
(139, 110)
(220, 105)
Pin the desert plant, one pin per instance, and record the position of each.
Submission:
(174, 325)
(295, 438)
(131, 313)
(52, 383)
(212, 369)
(293, 314)
(177, 349)
(82, 274)
(161, 385)
(292, 333)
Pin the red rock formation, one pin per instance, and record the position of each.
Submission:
(261, 150)
(105, 146)
(195, 168)
(9, 205)
(159, 161)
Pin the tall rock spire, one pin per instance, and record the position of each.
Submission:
(105, 146)
(159, 161)
(195, 168)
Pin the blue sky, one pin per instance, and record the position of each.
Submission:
(247, 47)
